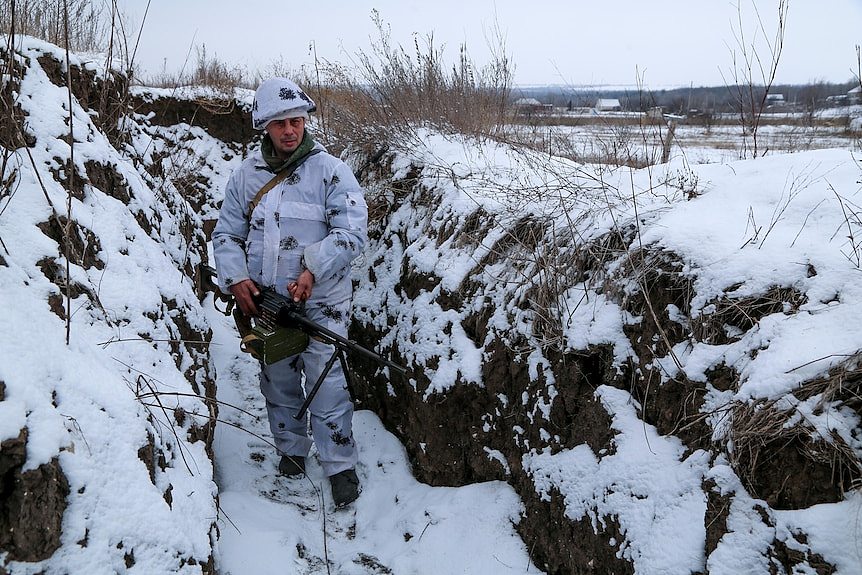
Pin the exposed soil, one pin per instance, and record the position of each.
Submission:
(223, 120)
(32, 503)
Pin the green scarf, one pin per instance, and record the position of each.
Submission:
(277, 164)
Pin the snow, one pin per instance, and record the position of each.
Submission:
(656, 494)
(770, 222)
(595, 320)
(397, 521)
(739, 229)
(114, 388)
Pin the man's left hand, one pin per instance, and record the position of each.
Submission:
(301, 288)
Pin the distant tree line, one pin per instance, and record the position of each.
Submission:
(716, 99)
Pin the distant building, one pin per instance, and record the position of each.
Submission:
(775, 100)
(853, 96)
(527, 105)
(608, 105)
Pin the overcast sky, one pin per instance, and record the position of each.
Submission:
(657, 43)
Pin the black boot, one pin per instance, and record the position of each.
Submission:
(345, 487)
(291, 465)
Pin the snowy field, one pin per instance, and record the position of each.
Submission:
(594, 140)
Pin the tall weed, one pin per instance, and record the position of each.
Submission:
(391, 91)
(45, 19)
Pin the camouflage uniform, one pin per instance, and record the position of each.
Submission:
(314, 219)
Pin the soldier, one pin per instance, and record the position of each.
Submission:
(299, 238)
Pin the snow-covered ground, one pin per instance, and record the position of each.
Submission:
(696, 144)
(141, 490)
(271, 525)
(120, 385)
(738, 229)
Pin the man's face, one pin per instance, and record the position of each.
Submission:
(286, 135)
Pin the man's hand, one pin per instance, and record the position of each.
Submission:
(301, 288)
(244, 292)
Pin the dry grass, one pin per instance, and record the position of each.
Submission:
(391, 91)
(731, 317)
(208, 71)
(631, 140)
(758, 427)
(46, 19)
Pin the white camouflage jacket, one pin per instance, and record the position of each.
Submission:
(315, 219)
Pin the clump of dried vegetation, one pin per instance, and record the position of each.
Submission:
(84, 30)
(387, 93)
(764, 434)
(206, 71)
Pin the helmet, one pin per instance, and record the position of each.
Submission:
(279, 99)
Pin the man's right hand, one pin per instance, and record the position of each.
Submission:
(244, 292)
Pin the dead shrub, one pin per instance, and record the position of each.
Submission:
(209, 72)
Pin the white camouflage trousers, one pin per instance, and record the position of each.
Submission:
(331, 411)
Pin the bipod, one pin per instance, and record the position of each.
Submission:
(337, 354)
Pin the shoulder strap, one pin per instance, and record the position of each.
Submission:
(285, 173)
(266, 187)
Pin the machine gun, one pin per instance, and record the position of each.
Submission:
(282, 329)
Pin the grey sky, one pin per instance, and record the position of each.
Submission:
(654, 42)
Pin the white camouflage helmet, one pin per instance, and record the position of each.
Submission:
(279, 99)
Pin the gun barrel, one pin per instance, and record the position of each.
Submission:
(289, 316)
